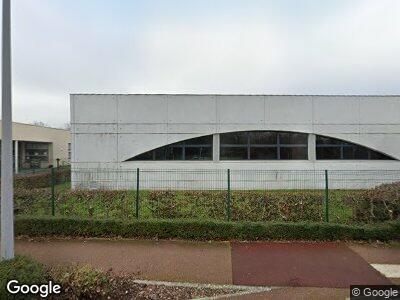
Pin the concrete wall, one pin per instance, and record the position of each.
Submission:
(108, 129)
(59, 138)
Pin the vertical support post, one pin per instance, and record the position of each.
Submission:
(16, 156)
(7, 181)
(326, 197)
(312, 147)
(215, 147)
(53, 198)
(228, 198)
(137, 192)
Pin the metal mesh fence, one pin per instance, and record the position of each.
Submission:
(221, 194)
(212, 179)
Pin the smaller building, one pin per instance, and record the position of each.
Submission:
(39, 146)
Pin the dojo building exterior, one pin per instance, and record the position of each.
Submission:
(116, 133)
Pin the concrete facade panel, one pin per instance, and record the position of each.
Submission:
(94, 128)
(328, 129)
(142, 109)
(336, 110)
(193, 128)
(385, 110)
(142, 128)
(377, 128)
(94, 109)
(240, 109)
(95, 148)
(200, 109)
(283, 110)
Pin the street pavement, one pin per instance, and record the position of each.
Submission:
(309, 270)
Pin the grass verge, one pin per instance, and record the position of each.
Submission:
(203, 229)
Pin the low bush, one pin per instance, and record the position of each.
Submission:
(81, 282)
(203, 229)
(32, 201)
(376, 205)
(42, 180)
(187, 204)
(22, 269)
(245, 205)
(277, 206)
(99, 203)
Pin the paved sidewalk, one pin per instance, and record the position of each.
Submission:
(200, 262)
(323, 266)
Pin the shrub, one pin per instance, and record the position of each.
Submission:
(376, 205)
(81, 282)
(245, 205)
(23, 269)
(42, 180)
(187, 204)
(203, 229)
(277, 206)
(99, 203)
(32, 201)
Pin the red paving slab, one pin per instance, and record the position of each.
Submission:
(300, 264)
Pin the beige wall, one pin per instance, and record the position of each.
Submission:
(59, 138)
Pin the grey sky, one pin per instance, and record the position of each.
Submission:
(208, 46)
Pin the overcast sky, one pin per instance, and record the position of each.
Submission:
(206, 46)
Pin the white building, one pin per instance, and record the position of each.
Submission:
(246, 132)
(39, 146)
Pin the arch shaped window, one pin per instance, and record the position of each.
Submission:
(192, 149)
(263, 145)
(331, 148)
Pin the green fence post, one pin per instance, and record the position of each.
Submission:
(326, 197)
(53, 183)
(228, 199)
(137, 193)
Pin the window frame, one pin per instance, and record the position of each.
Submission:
(249, 145)
(342, 145)
(181, 145)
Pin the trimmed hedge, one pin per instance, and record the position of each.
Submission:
(376, 205)
(42, 180)
(245, 205)
(23, 269)
(203, 229)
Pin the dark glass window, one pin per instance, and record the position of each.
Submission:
(263, 137)
(145, 156)
(328, 153)
(234, 138)
(192, 149)
(174, 153)
(294, 153)
(198, 153)
(331, 148)
(264, 153)
(291, 138)
(263, 145)
(322, 140)
(203, 140)
(233, 153)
